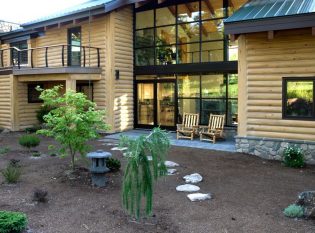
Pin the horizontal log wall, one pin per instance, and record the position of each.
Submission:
(5, 101)
(123, 61)
(289, 54)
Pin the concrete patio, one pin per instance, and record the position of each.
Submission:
(222, 145)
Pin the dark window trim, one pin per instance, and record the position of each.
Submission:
(284, 98)
(31, 87)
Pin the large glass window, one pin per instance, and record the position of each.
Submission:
(298, 99)
(189, 32)
(74, 49)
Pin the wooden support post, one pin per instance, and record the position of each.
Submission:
(313, 31)
(15, 125)
(71, 84)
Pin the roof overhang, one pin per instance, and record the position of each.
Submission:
(270, 24)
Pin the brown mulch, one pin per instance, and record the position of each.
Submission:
(249, 194)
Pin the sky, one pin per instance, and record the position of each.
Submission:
(22, 11)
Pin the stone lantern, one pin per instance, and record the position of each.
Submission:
(98, 167)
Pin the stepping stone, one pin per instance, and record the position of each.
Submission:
(120, 148)
(193, 178)
(171, 171)
(171, 164)
(199, 196)
(187, 188)
(149, 158)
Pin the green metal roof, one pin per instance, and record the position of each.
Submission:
(262, 9)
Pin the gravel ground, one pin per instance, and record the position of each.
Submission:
(249, 194)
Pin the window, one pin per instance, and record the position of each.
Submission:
(16, 55)
(298, 98)
(33, 94)
(190, 32)
(86, 88)
(74, 48)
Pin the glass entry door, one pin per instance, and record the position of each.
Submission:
(156, 104)
(166, 103)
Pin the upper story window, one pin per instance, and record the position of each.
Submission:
(74, 48)
(19, 55)
(298, 98)
(189, 32)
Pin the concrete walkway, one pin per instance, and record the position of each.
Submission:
(227, 145)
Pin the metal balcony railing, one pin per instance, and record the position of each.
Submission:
(50, 56)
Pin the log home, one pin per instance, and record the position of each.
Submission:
(149, 61)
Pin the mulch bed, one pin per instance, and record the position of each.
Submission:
(249, 194)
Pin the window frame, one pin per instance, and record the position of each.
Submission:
(18, 44)
(177, 24)
(285, 81)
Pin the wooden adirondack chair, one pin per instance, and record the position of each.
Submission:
(189, 127)
(214, 130)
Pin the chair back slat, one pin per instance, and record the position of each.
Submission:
(216, 122)
(190, 120)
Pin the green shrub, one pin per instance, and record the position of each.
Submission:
(4, 150)
(293, 157)
(29, 141)
(12, 172)
(113, 164)
(294, 211)
(43, 111)
(12, 222)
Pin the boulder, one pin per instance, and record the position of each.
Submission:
(307, 201)
(187, 188)
(199, 196)
(171, 164)
(193, 178)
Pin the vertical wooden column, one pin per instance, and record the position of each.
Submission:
(109, 73)
(242, 86)
(71, 84)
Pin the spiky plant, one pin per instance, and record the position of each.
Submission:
(140, 172)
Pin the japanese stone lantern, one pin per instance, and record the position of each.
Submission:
(98, 167)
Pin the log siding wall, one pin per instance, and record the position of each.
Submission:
(113, 33)
(263, 64)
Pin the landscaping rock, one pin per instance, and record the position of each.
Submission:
(149, 158)
(4, 131)
(307, 200)
(120, 148)
(193, 178)
(171, 164)
(171, 171)
(187, 188)
(199, 196)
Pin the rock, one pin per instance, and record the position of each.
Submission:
(187, 188)
(4, 131)
(307, 200)
(171, 171)
(149, 158)
(120, 148)
(193, 178)
(171, 164)
(199, 196)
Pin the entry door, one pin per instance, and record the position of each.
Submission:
(166, 104)
(156, 105)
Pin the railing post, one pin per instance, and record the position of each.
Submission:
(98, 58)
(63, 55)
(32, 64)
(19, 59)
(46, 56)
(83, 56)
(11, 55)
(1, 58)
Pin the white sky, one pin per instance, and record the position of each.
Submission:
(22, 11)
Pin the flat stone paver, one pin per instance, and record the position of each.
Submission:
(199, 196)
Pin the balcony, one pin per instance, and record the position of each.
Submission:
(54, 59)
